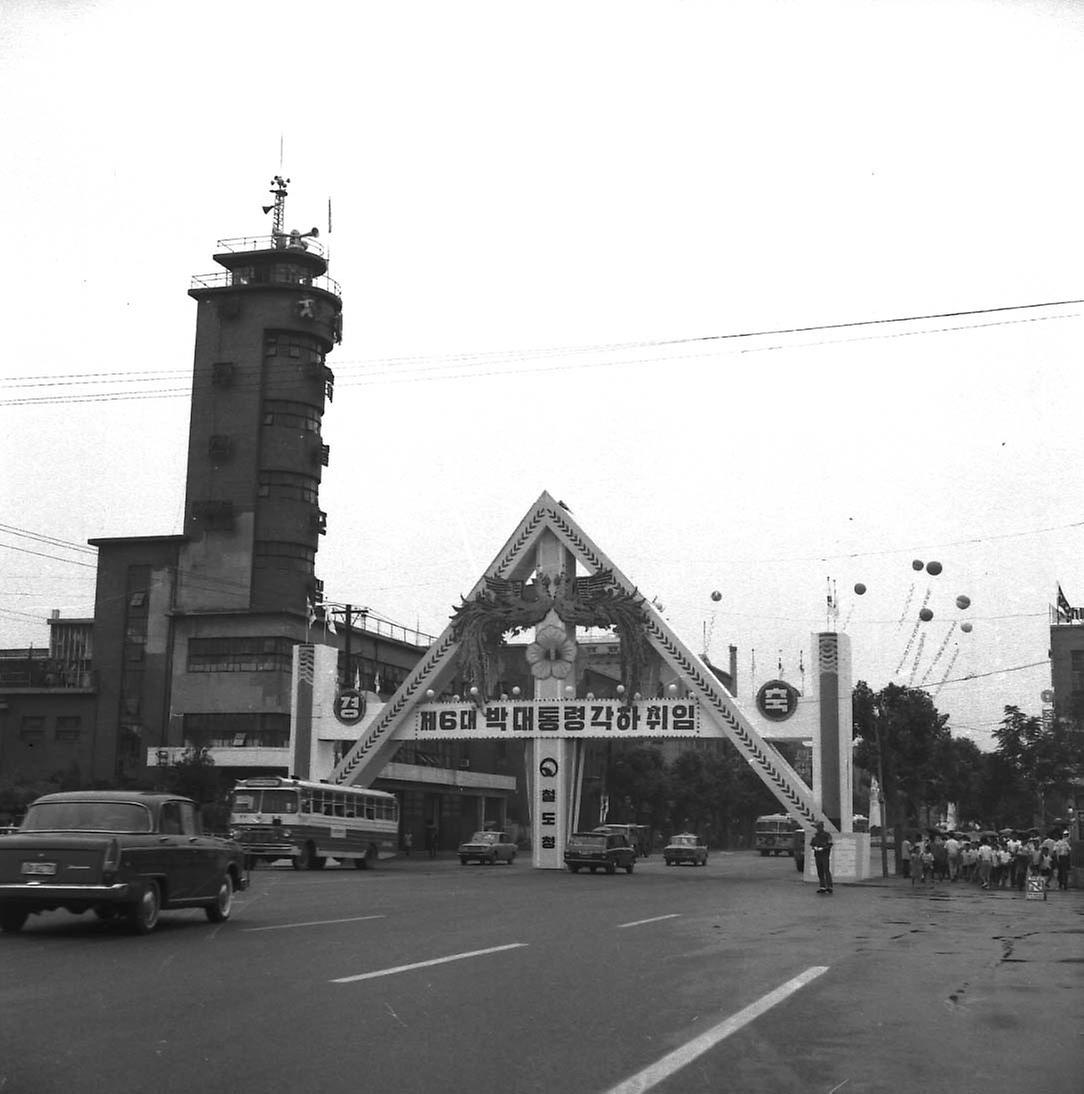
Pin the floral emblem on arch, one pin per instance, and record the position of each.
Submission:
(551, 654)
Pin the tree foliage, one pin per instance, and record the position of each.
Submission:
(1037, 763)
(902, 736)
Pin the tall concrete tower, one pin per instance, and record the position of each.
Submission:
(255, 453)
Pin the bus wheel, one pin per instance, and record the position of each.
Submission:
(368, 860)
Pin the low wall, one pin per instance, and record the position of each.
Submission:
(850, 858)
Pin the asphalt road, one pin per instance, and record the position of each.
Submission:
(426, 976)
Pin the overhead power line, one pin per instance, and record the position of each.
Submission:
(467, 366)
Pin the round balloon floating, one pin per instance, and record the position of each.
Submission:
(925, 615)
(965, 627)
(933, 568)
(963, 602)
(860, 588)
(917, 564)
(716, 596)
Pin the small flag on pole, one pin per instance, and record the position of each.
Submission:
(1067, 613)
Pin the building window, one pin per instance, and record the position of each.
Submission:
(247, 654)
(68, 727)
(296, 347)
(222, 373)
(1076, 669)
(269, 554)
(237, 730)
(289, 486)
(291, 415)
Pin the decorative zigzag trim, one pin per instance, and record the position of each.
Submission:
(769, 772)
(376, 733)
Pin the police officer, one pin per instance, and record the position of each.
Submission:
(822, 854)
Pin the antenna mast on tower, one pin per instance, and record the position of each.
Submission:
(278, 184)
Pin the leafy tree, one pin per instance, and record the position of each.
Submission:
(637, 785)
(1041, 762)
(193, 775)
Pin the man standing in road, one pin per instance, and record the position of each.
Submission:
(822, 854)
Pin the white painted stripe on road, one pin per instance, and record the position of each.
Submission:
(426, 964)
(314, 923)
(653, 919)
(676, 1060)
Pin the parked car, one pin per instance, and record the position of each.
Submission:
(120, 854)
(599, 851)
(638, 835)
(685, 847)
(488, 848)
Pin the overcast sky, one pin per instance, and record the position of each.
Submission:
(548, 222)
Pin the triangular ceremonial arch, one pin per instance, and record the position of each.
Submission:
(549, 531)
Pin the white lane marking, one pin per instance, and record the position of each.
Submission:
(426, 964)
(314, 923)
(653, 919)
(676, 1060)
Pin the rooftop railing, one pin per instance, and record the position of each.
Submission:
(283, 242)
(232, 278)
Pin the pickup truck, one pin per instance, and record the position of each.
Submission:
(599, 851)
(120, 854)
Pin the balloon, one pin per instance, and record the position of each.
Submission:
(717, 596)
(860, 588)
(965, 627)
(917, 564)
(925, 615)
(933, 568)
(963, 602)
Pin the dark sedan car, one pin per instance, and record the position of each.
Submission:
(119, 854)
(599, 851)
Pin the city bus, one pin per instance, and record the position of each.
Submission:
(309, 822)
(774, 834)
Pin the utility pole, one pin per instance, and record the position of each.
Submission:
(881, 797)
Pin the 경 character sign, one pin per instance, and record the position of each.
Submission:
(349, 706)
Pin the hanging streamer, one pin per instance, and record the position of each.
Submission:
(918, 658)
(952, 661)
(907, 648)
(937, 656)
(906, 605)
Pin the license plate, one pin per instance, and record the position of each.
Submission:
(47, 869)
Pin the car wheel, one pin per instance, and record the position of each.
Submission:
(462, 860)
(628, 869)
(219, 911)
(574, 869)
(593, 869)
(12, 919)
(611, 867)
(143, 915)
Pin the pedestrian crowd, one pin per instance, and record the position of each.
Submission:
(1003, 861)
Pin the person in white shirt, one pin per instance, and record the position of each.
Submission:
(952, 848)
(986, 862)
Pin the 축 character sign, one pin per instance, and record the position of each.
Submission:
(566, 718)
(777, 700)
